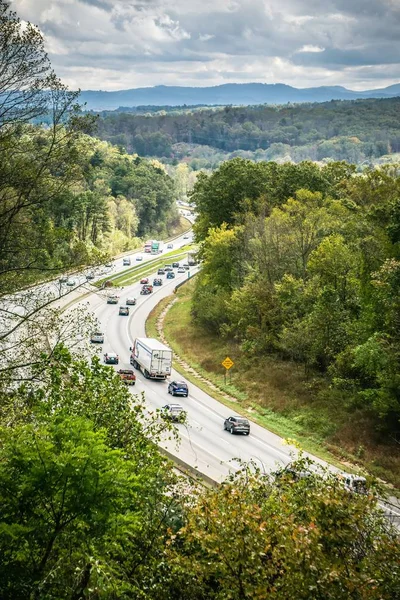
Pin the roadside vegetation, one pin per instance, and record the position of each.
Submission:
(275, 393)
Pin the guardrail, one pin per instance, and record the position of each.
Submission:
(185, 281)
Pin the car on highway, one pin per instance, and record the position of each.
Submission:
(171, 275)
(89, 276)
(130, 301)
(185, 237)
(97, 337)
(127, 376)
(71, 282)
(124, 311)
(178, 388)
(292, 473)
(108, 265)
(181, 270)
(113, 299)
(144, 280)
(63, 280)
(170, 246)
(353, 483)
(174, 412)
(237, 424)
(161, 271)
(157, 281)
(175, 265)
(146, 289)
(139, 258)
(186, 267)
(168, 268)
(126, 262)
(110, 358)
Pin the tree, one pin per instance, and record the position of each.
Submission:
(87, 498)
(256, 539)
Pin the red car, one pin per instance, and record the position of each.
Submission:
(127, 376)
(144, 281)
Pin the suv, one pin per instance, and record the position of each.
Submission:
(124, 311)
(97, 337)
(174, 412)
(175, 265)
(178, 388)
(110, 358)
(171, 275)
(237, 424)
(157, 281)
(127, 376)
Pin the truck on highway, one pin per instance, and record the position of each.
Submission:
(192, 258)
(155, 247)
(147, 246)
(151, 357)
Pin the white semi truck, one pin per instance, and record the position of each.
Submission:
(151, 357)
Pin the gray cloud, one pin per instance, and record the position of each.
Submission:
(118, 44)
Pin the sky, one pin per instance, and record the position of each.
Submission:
(123, 44)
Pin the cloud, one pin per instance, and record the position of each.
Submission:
(120, 44)
(310, 48)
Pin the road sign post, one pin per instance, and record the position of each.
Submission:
(228, 364)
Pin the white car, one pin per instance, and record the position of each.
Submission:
(181, 270)
(170, 246)
(139, 258)
(71, 282)
(185, 237)
(97, 337)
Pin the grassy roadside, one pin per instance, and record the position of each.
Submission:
(275, 394)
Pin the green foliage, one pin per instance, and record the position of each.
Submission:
(86, 496)
(253, 538)
(313, 274)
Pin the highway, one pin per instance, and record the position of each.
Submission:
(203, 442)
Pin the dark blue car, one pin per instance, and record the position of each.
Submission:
(178, 388)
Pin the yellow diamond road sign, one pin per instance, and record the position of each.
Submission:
(227, 363)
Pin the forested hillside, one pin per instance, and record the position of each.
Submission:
(355, 131)
(303, 263)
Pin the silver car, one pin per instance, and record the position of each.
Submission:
(97, 337)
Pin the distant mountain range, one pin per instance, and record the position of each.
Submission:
(230, 93)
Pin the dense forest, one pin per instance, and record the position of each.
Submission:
(355, 131)
(303, 262)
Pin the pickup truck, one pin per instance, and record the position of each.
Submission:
(127, 376)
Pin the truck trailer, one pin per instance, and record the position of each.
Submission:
(151, 357)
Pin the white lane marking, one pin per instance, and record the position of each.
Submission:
(226, 441)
